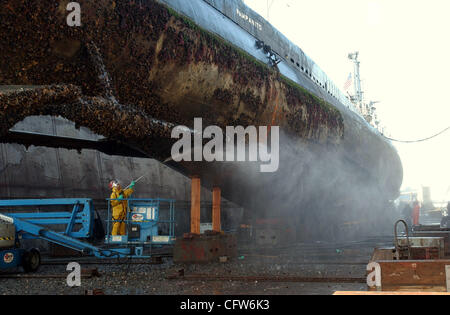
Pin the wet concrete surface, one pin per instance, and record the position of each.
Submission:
(316, 260)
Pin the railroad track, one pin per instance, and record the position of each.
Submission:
(155, 260)
(159, 260)
(200, 277)
(85, 274)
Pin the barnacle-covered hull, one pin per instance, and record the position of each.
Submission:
(136, 69)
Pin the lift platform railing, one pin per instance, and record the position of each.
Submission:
(39, 232)
(33, 225)
(78, 222)
(143, 222)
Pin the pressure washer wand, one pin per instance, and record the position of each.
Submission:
(136, 181)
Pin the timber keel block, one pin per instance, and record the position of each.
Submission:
(205, 248)
(414, 275)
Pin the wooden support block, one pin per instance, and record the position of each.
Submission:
(195, 205)
(216, 209)
(205, 249)
(414, 275)
(387, 293)
(414, 272)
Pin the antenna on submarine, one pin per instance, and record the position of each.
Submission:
(367, 110)
(358, 98)
(269, 6)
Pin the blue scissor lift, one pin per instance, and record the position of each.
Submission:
(143, 225)
(143, 222)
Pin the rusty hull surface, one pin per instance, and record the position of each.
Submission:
(136, 69)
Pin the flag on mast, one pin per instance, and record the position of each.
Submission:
(349, 81)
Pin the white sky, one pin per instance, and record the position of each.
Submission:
(405, 63)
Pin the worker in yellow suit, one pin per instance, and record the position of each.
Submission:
(119, 206)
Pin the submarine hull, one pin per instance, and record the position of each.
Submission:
(134, 70)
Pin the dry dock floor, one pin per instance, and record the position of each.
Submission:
(270, 271)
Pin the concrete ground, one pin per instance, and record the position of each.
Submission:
(316, 260)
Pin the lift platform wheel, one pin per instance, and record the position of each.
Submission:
(31, 260)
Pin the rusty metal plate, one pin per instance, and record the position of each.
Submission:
(204, 248)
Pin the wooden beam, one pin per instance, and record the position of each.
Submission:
(387, 293)
(414, 272)
(216, 209)
(195, 205)
(414, 275)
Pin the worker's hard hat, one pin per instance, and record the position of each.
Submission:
(113, 183)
